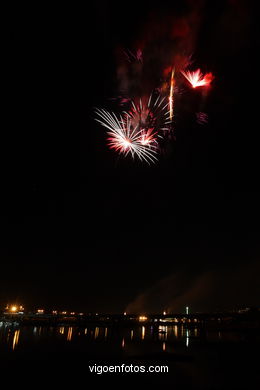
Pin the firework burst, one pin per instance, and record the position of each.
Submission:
(126, 138)
(138, 130)
(150, 115)
(196, 78)
(143, 125)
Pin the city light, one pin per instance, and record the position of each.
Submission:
(142, 318)
(14, 309)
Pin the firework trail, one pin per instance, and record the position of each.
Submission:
(196, 78)
(171, 94)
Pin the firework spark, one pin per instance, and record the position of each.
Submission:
(196, 78)
(202, 118)
(138, 56)
(150, 115)
(126, 138)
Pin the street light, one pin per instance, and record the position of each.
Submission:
(13, 309)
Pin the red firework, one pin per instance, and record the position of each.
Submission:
(196, 78)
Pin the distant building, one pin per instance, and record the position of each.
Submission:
(245, 310)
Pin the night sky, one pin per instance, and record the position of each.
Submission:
(83, 229)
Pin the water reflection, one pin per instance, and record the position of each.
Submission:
(143, 332)
(74, 346)
(96, 333)
(16, 338)
(161, 335)
(187, 338)
(69, 334)
(162, 332)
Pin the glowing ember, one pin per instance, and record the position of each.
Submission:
(197, 79)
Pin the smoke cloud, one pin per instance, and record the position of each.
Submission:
(217, 289)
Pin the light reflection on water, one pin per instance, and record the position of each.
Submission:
(10, 334)
(73, 344)
(163, 332)
(143, 332)
(16, 338)
(187, 338)
(96, 333)
(69, 334)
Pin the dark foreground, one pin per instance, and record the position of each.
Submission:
(57, 355)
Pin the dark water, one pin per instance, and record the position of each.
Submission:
(195, 360)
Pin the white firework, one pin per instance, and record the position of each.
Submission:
(127, 138)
